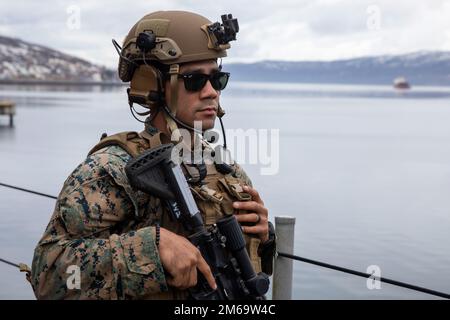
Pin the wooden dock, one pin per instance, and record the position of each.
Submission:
(8, 108)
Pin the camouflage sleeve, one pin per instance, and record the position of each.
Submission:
(79, 240)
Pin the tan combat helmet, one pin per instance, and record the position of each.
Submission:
(169, 38)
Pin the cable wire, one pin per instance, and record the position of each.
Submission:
(282, 254)
(10, 263)
(27, 190)
(365, 275)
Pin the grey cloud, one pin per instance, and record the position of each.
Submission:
(269, 29)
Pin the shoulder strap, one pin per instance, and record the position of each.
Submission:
(132, 142)
(156, 139)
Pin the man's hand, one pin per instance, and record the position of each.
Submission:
(257, 213)
(181, 259)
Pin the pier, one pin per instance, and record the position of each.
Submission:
(8, 108)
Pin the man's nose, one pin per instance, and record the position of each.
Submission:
(208, 91)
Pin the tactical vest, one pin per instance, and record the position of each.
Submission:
(214, 197)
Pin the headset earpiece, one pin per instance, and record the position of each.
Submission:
(146, 86)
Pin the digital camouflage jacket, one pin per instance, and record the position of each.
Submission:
(103, 228)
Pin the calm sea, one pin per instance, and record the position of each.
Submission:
(364, 169)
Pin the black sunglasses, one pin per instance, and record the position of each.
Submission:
(196, 81)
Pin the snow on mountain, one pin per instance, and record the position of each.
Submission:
(23, 61)
(20, 60)
(423, 67)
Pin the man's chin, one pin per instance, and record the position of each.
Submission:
(204, 124)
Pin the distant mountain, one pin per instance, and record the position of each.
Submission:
(420, 68)
(21, 61)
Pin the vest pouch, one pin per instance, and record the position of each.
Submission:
(209, 203)
(233, 187)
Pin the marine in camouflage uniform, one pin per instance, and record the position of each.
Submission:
(104, 227)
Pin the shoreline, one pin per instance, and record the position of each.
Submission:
(63, 82)
(256, 82)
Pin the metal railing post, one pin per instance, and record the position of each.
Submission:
(282, 275)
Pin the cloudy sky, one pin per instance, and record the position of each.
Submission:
(275, 30)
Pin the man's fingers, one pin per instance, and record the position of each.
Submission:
(248, 205)
(250, 217)
(258, 229)
(174, 282)
(183, 280)
(206, 271)
(193, 278)
(255, 194)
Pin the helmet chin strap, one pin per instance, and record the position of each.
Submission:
(173, 104)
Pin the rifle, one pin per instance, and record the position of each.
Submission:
(222, 246)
